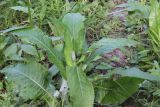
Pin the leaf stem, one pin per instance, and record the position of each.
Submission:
(29, 12)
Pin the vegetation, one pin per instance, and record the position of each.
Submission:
(79, 53)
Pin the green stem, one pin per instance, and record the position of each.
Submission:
(29, 12)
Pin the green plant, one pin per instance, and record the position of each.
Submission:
(73, 59)
(154, 25)
(150, 90)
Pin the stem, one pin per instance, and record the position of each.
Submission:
(29, 12)
(63, 91)
(64, 88)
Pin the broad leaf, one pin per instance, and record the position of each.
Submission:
(111, 44)
(31, 79)
(29, 49)
(12, 49)
(75, 26)
(116, 91)
(106, 45)
(136, 6)
(36, 36)
(80, 88)
(137, 73)
(11, 52)
(130, 72)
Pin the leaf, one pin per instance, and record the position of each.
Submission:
(14, 51)
(12, 29)
(136, 6)
(154, 14)
(54, 38)
(3, 42)
(136, 73)
(53, 71)
(11, 53)
(130, 72)
(75, 26)
(107, 45)
(103, 66)
(154, 23)
(29, 49)
(80, 88)
(72, 28)
(22, 9)
(57, 27)
(37, 37)
(116, 91)
(74, 23)
(111, 43)
(31, 79)
(68, 49)
(11, 50)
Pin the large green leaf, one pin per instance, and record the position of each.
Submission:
(11, 52)
(106, 45)
(29, 49)
(36, 36)
(31, 79)
(75, 26)
(116, 91)
(130, 72)
(136, 6)
(137, 73)
(71, 27)
(80, 88)
(110, 44)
